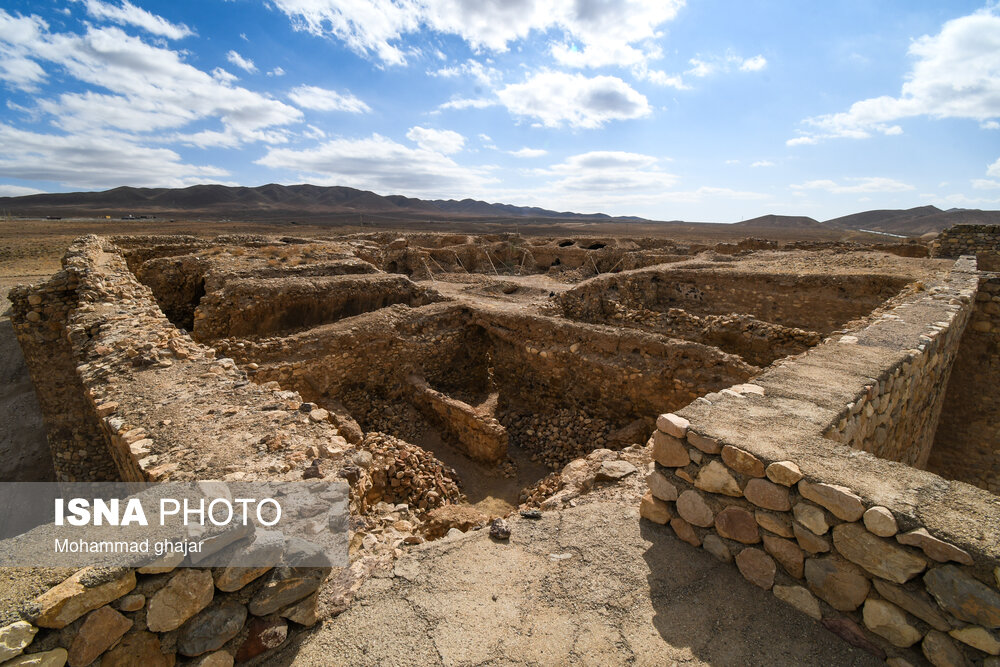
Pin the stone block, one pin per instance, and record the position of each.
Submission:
(838, 499)
(693, 509)
(875, 554)
(767, 495)
(742, 462)
(757, 567)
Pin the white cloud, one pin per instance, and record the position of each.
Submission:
(471, 68)
(732, 161)
(956, 75)
(277, 71)
(609, 171)
(595, 33)
(557, 98)
(464, 103)
(994, 169)
(856, 185)
(985, 184)
(241, 62)
(529, 152)
(224, 76)
(129, 14)
(321, 99)
(485, 137)
(313, 132)
(660, 78)
(17, 191)
(755, 64)
(18, 37)
(381, 165)
(95, 160)
(440, 141)
(700, 68)
(144, 89)
(762, 163)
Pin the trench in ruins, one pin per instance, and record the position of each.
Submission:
(501, 392)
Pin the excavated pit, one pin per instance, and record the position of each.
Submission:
(504, 357)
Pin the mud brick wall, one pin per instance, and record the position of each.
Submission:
(812, 303)
(890, 558)
(983, 241)
(967, 445)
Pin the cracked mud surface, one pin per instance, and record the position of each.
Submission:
(584, 585)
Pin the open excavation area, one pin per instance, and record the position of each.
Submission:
(538, 434)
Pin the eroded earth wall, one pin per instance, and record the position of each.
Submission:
(889, 557)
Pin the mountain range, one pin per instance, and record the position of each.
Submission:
(336, 203)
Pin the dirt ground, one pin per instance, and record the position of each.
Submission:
(585, 585)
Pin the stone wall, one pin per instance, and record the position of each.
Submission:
(967, 444)
(889, 557)
(156, 616)
(983, 241)
(479, 435)
(809, 302)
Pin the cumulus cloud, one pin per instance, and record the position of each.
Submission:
(441, 141)
(144, 88)
(529, 152)
(379, 164)
(277, 71)
(610, 171)
(95, 161)
(241, 62)
(609, 32)
(703, 66)
(762, 163)
(129, 14)
(994, 169)
(468, 103)
(856, 185)
(557, 98)
(321, 99)
(956, 75)
(755, 64)
(19, 36)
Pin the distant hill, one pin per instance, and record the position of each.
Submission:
(779, 222)
(913, 221)
(270, 200)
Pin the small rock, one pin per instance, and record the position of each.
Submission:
(810, 541)
(661, 487)
(265, 634)
(742, 462)
(940, 651)
(673, 425)
(217, 659)
(840, 500)
(915, 602)
(318, 415)
(684, 531)
(880, 521)
(304, 612)
(99, 632)
(133, 602)
(715, 478)
(757, 567)
(964, 597)
(188, 592)
(849, 631)
(669, 452)
(811, 517)
(704, 443)
(787, 553)
(735, 523)
(499, 530)
(531, 514)
(841, 584)
(654, 509)
(139, 648)
(889, 621)
(612, 471)
(978, 637)
(714, 545)
(767, 495)
(14, 638)
(939, 550)
(55, 658)
(68, 601)
(693, 509)
(785, 473)
(877, 555)
(285, 586)
(800, 598)
(779, 524)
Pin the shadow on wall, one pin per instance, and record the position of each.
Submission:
(705, 605)
(24, 449)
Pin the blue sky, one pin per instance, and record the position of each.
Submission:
(700, 110)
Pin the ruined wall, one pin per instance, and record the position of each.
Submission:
(812, 302)
(255, 307)
(967, 444)
(983, 241)
(895, 416)
(480, 436)
(893, 559)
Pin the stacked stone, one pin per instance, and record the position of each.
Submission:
(154, 616)
(557, 436)
(405, 473)
(967, 240)
(967, 443)
(821, 549)
(896, 415)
